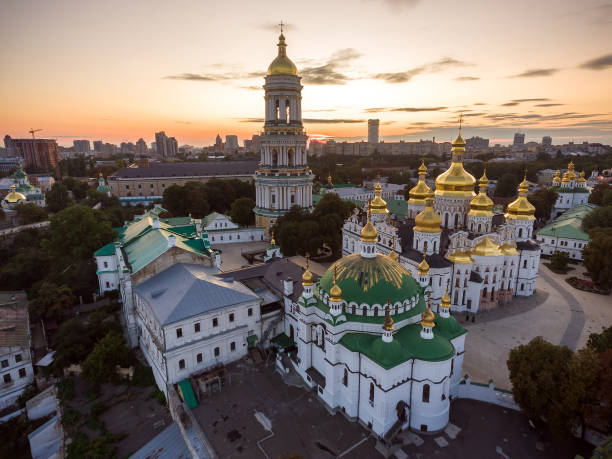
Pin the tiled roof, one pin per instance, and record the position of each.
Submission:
(225, 169)
(14, 320)
(186, 290)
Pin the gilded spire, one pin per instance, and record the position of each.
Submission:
(388, 323)
(481, 205)
(420, 191)
(369, 233)
(428, 220)
(446, 301)
(282, 65)
(393, 254)
(423, 266)
(427, 316)
(307, 277)
(335, 293)
(456, 181)
(272, 241)
(378, 205)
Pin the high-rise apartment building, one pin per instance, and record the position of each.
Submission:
(141, 146)
(231, 144)
(172, 147)
(546, 142)
(39, 153)
(98, 146)
(519, 142)
(81, 146)
(165, 146)
(373, 131)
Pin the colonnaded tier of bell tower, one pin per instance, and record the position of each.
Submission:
(283, 178)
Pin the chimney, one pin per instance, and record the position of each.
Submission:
(288, 286)
(155, 223)
(171, 241)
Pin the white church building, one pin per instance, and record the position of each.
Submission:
(571, 189)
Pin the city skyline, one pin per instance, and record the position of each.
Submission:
(413, 65)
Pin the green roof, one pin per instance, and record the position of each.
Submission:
(106, 251)
(569, 224)
(177, 221)
(398, 207)
(407, 344)
(19, 173)
(448, 327)
(103, 189)
(371, 280)
(188, 395)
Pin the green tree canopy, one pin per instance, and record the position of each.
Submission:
(99, 366)
(506, 185)
(241, 212)
(31, 213)
(597, 259)
(607, 198)
(78, 231)
(51, 301)
(599, 217)
(597, 193)
(559, 260)
(601, 342)
(543, 201)
(58, 197)
(78, 187)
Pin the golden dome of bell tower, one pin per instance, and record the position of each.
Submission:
(282, 65)
(456, 182)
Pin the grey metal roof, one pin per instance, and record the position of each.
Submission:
(168, 444)
(195, 169)
(186, 290)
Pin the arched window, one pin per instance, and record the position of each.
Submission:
(479, 227)
(274, 158)
(375, 312)
(520, 232)
(457, 282)
(364, 311)
(345, 378)
(277, 109)
(287, 112)
(353, 310)
(426, 393)
(525, 264)
(396, 309)
(372, 392)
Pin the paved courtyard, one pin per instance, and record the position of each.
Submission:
(300, 424)
(558, 312)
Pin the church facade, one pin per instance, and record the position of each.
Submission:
(484, 258)
(283, 178)
(571, 189)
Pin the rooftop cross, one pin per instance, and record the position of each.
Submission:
(281, 26)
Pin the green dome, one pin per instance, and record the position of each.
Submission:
(371, 280)
(19, 174)
(103, 189)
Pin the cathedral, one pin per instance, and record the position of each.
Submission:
(485, 258)
(283, 179)
(571, 189)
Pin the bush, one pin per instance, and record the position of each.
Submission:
(96, 424)
(65, 389)
(97, 408)
(143, 376)
(559, 260)
(159, 396)
(70, 417)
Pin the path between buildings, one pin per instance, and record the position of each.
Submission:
(577, 319)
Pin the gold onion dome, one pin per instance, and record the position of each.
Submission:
(378, 205)
(335, 293)
(570, 170)
(482, 205)
(307, 277)
(428, 220)
(282, 65)
(388, 323)
(446, 301)
(581, 179)
(369, 233)
(423, 266)
(456, 181)
(557, 177)
(487, 248)
(420, 191)
(428, 317)
(509, 248)
(521, 208)
(14, 196)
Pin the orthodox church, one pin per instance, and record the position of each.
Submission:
(23, 192)
(571, 188)
(485, 258)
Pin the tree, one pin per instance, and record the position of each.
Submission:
(607, 198)
(76, 232)
(543, 201)
(535, 371)
(601, 342)
(597, 193)
(99, 366)
(30, 213)
(506, 185)
(58, 197)
(51, 301)
(559, 260)
(78, 187)
(599, 217)
(241, 212)
(597, 258)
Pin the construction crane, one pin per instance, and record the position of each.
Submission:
(32, 131)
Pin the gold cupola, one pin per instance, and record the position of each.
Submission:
(369, 233)
(428, 220)
(388, 323)
(482, 205)
(446, 301)
(423, 267)
(393, 254)
(456, 182)
(487, 248)
(307, 277)
(428, 317)
(378, 205)
(335, 293)
(420, 191)
(14, 196)
(581, 179)
(521, 208)
(557, 178)
(282, 65)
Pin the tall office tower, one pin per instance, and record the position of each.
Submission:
(81, 146)
(283, 179)
(161, 143)
(546, 142)
(172, 147)
(38, 153)
(231, 143)
(519, 142)
(98, 146)
(373, 131)
(141, 146)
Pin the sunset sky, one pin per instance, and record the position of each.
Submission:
(122, 69)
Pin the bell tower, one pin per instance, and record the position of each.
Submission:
(283, 179)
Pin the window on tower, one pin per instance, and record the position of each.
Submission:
(287, 113)
(277, 109)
